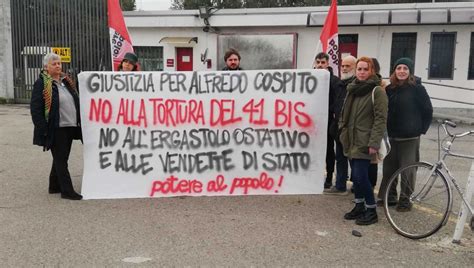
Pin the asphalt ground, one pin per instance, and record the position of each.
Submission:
(38, 229)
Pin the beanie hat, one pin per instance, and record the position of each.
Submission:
(132, 58)
(406, 61)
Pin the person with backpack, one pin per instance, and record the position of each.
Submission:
(362, 125)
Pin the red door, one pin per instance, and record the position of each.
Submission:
(348, 44)
(348, 48)
(184, 58)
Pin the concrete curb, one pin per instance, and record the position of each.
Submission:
(456, 119)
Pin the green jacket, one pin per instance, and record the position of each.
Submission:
(363, 123)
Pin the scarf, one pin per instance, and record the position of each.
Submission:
(361, 88)
(47, 93)
(48, 90)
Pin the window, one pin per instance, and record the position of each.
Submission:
(150, 58)
(403, 46)
(470, 74)
(442, 55)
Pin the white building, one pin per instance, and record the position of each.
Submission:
(438, 36)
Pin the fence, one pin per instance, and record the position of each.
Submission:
(76, 28)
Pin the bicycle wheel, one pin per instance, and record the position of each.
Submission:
(423, 200)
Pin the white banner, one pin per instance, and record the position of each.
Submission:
(156, 134)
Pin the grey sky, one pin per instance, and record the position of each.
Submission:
(153, 4)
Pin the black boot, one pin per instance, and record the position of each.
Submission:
(328, 181)
(71, 196)
(53, 191)
(356, 212)
(368, 218)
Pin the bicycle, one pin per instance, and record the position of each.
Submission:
(425, 192)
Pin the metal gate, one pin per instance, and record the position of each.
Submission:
(77, 28)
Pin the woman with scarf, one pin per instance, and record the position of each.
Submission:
(409, 116)
(55, 114)
(362, 126)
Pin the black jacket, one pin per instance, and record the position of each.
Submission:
(409, 110)
(43, 134)
(341, 96)
(335, 88)
(227, 69)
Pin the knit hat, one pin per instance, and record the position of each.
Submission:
(406, 61)
(132, 58)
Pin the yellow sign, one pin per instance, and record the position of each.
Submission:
(63, 52)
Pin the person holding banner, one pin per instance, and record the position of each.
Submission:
(55, 113)
(321, 61)
(232, 60)
(129, 63)
(362, 126)
(410, 114)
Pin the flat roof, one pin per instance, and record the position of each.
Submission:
(380, 14)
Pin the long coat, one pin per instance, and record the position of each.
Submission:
(363, 122)
(43, 134)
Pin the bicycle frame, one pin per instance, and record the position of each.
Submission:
(430, 177)
(441, 164)
(443, 168)
(430, 180)
(453, 181)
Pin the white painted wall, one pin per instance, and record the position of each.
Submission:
(374, 41)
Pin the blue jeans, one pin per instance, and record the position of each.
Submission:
(342, 167)
(360, 177)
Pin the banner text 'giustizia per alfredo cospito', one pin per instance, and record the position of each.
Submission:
(157, 134)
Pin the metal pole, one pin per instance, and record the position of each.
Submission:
(464, 209)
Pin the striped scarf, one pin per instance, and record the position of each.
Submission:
(47, 93)
(48, 90)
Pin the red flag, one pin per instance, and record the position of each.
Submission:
(329, 40)
(120, 42)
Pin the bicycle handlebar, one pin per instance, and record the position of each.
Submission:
(447, 146)
(453, 125)
(449, 123)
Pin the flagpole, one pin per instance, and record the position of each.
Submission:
(120, 41)
(329, 38)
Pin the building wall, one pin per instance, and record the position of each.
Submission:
(6, 69)
(372, 23)
(374, 41)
